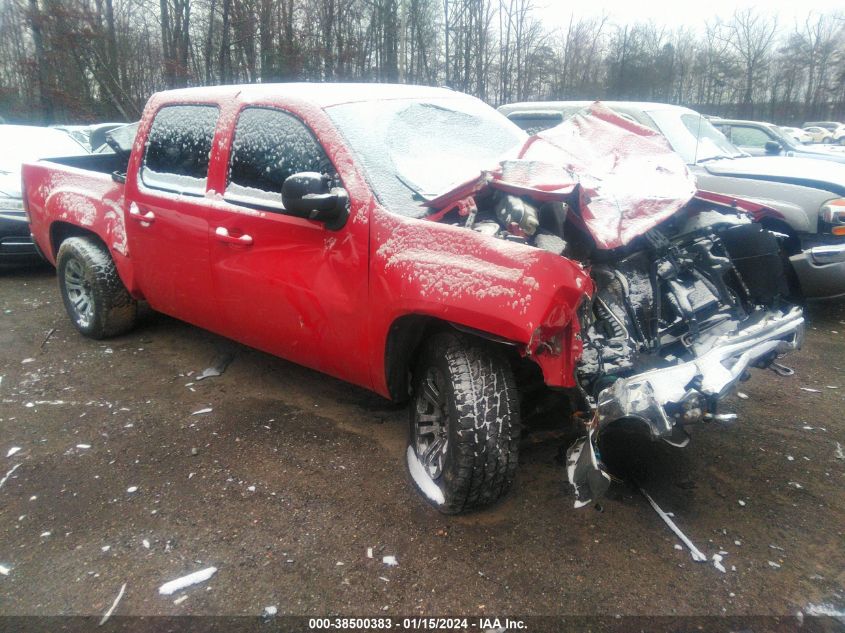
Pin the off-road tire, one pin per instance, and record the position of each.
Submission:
(482, 421)
(109, 307)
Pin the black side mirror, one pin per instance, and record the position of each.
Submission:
(310, 195)
(772, 147)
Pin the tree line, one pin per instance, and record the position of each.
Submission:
(95, 60)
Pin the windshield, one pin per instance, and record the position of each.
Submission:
(24, 143)
(414, 150)
(693, 136)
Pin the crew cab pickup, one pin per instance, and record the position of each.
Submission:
(414, 242)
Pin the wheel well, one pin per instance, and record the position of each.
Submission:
(60, 231)
(404, 343)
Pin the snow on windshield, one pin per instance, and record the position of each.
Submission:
(413, 150)
(693, 136)
(25, 143)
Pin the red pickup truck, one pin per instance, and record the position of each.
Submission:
(415, 242)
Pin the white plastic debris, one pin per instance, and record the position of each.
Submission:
(694, 551)
(773, 565)
(146, 544)
(679, 547)
(838, 453)
(132, 489)
(717, 562)
(27, 360)
(790, 458)
(180, 599)
(9, 474)
(113, 606)
(423, 480)
(13, 450)
(45, 534)
(201, 411)
(741, 502)
(105, 548)
(796, 485)
(4, 569)
(390, 561)
(369, 552)
(742, 395)
(83, 446)
(270, 611)
(251, 488)
(173, 586)
(809, 390)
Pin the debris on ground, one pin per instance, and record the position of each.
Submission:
(13, 450)
(83, 446)
(742, 395)
(717, 562)
(369, 552)
(773, 565)
(180, 599)
(132, 489)
(146, 544)
(390, 561)
(270, 611)
(741, 502)
(694, 551)
(838, 453)
(218, 366)
(9, 474)
(113, 606)
(173, 586)
(809, 390)
(4, 570)
(201, 411)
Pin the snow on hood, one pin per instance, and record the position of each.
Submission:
(631, 179)
(785, 168)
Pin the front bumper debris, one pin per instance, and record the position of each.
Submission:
(667, 398)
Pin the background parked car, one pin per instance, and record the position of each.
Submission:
(796, 133)
(90, 136)
(802, 198)
(819, 134)
(19, 144)
(765, 139)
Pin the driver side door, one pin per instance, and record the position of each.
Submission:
(287, 285)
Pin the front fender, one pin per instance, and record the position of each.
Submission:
(508, 290)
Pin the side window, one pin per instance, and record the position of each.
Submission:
(178, 149)
(270, 145)
(749, 137)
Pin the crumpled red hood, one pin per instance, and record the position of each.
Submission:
(627, 176)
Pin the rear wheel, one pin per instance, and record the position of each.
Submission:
(94, 295)
(464, 424)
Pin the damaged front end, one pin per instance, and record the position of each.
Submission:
(687, 294)
(677, 320)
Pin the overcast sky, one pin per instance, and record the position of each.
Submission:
(692, 13)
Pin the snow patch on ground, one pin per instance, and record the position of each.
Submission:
(173, 586)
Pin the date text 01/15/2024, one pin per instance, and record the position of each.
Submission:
(417, 624)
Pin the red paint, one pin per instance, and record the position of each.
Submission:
(324, 299)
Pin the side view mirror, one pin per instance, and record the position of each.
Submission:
(310, 195)
(772, 147)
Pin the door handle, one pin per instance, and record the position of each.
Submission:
(223, 236)
(135, 213)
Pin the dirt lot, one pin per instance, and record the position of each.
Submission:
(291, 476)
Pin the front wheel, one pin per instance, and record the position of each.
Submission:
(464, 424)
(94, 295)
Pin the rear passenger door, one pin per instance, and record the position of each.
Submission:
(287, 285)
(166, 220)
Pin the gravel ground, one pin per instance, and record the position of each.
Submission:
(291, 476)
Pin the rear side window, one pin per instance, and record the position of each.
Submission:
(179, 148)
(269, 146)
